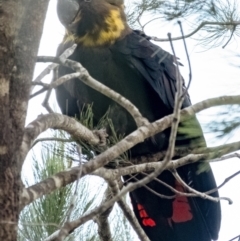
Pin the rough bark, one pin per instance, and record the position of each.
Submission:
(21, 24)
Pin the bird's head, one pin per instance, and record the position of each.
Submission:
(93, 22)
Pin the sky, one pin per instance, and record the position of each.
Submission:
(214, 74)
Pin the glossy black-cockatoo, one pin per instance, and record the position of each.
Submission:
(127, 62)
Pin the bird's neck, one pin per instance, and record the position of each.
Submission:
(100, 31)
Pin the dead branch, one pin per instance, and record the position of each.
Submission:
(51, 67)
(58, 121)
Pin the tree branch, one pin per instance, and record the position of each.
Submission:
(58, 121)
(125, 144)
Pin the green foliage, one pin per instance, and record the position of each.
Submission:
(87, 119)
(192, 13)
(46, 215)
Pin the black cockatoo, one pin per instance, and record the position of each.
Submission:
(126, 61)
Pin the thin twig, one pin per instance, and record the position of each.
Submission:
(233, 30)
(234, 23)
(51, 67)
(64, 230)
(46, 71)
(46, 99)
(199, 194)
(128, 212)
(179, 193)
(50, 139)
(56, 83)
(224, 182)
(156, 193)
(30, 224)
(101, 219)
(235, 238)
(176, 111)
(188, 59)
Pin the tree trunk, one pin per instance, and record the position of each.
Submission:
(21, 25)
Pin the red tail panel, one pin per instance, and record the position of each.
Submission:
(181, 208)
(146, 220)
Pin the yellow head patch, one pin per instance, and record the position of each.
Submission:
(115, 24)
